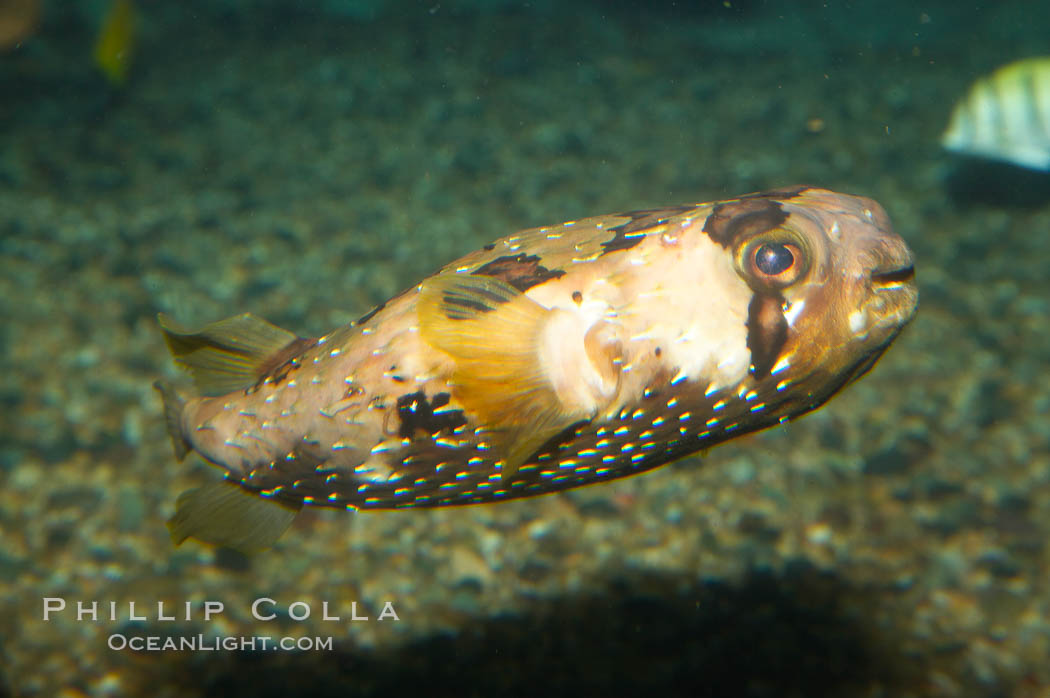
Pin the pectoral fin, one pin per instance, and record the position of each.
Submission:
(228, 355)
(493, 332)
(224, 514)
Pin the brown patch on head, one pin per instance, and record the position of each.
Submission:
(577, 297)
(521, 271)
(744, 217)
(766, 332)
(629, 234)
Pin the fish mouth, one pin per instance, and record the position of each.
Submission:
(897, 277)
(892, 297)
(894, 293)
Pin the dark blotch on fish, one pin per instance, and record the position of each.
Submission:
(370, 314)
(735, 219)
(521, 271)
(416, 412)
(766, 332)
(640, 220)
(462, 305)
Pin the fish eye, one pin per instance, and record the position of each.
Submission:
(774, 258)
(773, 261)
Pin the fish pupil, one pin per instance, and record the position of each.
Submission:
(774, 258)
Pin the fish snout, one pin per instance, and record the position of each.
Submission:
(894, 293)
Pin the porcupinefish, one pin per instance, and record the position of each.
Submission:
(554, 358)
(1006, 116)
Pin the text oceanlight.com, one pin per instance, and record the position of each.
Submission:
(198, 643)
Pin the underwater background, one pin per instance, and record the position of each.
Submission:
(304, 161)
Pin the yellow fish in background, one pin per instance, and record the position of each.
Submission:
(115, 42)
(1006, 116)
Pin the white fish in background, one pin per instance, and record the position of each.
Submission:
(1006, 116)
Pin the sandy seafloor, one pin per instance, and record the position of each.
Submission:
(306, 166)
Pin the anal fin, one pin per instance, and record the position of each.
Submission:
(223, 513)
(494, 332)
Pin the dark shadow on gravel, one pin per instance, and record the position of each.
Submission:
(982, 182)
(789, 635)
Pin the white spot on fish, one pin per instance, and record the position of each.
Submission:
(384, 446)
(782, 364)
(835, 232)
(858, 321)
(791, 312)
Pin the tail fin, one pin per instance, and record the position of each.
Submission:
(173, 405)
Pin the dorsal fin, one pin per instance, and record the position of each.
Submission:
(227, 355)
(493, 333)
